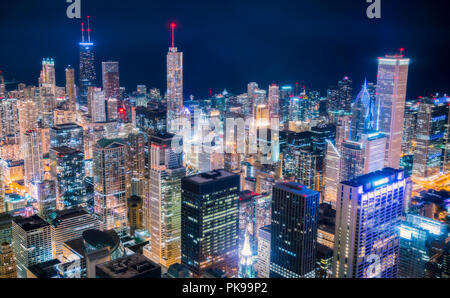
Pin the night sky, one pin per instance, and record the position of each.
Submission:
(229, 43)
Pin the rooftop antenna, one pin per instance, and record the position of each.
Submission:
(82, 32)
(401, 51)
(173, 25)
(89, 29)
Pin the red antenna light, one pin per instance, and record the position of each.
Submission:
(173, 25)
(401, 51)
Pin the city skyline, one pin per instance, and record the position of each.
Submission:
(309, 50)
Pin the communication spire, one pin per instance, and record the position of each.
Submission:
(82, 32)
(89, 29)
(173, 25)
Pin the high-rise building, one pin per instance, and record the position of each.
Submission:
(69, 224)
(47, 80)
(67, 169)
(390, 104)
(162, 208)
(135, 216)
(210, 222)
(9, 114)
(359, 158)
(332, 173)
(340, 97)
(69, 134)
(295, 211)
(368, 216)
(46, 197)
(33, 157)
(418, 235)
(274, 100)
(97, 104)
(309, 169)
(32, 242)
(430, 136)
(2, 86)
(110, 183)
(136, 164)
(363, 114)
(87, 74)
(70, 89)
(111, 83)
(8, 268)
(174, 86)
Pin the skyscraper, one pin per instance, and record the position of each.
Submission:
(174, 85)
(368, 216)
(295, 211)
(359, 158)
(69, 134)
(32, 242)
(210, 221)
(111, 83)
(87, 75)
(8, 268)
(274, 99)
(430, 136)
(110, 183)
(97, 104)
(69, 224)
(162, 209)
(70, 88)
(390, 104)
(363, 114)
(67, 169)
(47, 80)
(33, 157)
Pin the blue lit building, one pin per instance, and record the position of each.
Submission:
(416, 235)
(295, 212)
(67, 168)
(368, 216)
(87, 74)
(70, 135)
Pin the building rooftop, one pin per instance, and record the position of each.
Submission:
(30, 223)
(133, 266)
(103, 143)
(209, 177)
(296, 188)
(65, 150)
(66, 126)
(60, 215)
(377, 178)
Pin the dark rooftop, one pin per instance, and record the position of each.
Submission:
(30, 223)
(133, 266)
(367, 179)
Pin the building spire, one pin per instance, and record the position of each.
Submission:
(173, 25)
(82, 32)
(89, 29)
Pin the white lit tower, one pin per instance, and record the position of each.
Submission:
(390, 102)
(174, 85)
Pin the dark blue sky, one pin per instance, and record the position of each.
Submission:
(229, 43)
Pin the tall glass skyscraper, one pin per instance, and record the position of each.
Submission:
(162, 208)
(87, 75)
(295, 212)
(390, 102)
(368, 217)
(210, 221)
